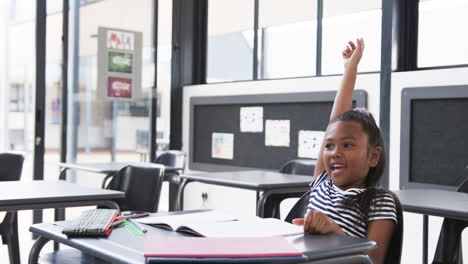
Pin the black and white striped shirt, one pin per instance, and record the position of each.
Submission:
(326, 197)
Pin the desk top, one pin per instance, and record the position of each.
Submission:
(435, 202)
(251, 179)
(27, 194)
(111, 167)
(123, 247)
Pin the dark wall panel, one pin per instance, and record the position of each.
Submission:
(306, 111)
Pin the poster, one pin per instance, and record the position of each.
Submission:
(120, 40)
(222, 146)
(119, 87)
(277, 133)
(120, 62)
(119, 73)
(251, 119)
(309, 143)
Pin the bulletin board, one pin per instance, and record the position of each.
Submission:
(219, 117)
(434, 129)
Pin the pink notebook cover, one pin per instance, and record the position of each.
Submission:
(215, 247)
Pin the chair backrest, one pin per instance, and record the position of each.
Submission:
(172, 158)
(463, 187)
(396, 242)
(11, 166)
(299, 166)
(142, 187)
(299, 208)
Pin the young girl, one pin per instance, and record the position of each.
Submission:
(343, 197)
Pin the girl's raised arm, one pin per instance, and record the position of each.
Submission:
(344, 97)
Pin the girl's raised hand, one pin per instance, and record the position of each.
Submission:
(352, 54)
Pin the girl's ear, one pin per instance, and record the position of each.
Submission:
(374, 156)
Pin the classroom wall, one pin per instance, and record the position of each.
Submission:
(243, 202)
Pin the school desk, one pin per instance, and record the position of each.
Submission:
(427, 202)
(31, 195)
(122, 246)
(262, 181)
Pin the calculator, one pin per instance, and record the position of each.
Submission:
(94, 222)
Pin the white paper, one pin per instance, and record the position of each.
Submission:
(222, 146)
(220, 224)
(309, 143)
(251, 119)
(277, 133)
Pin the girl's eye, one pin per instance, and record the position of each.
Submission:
(328, 146)
(348, 145)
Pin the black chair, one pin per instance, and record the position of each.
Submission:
(304, 167)
(299, 209)
(141, 184)
(396, 242)
(11, 166)
(449, 246)
(175, 159)
(299, 166)
(172, 158)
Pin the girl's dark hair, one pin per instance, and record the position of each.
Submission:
(375, 139)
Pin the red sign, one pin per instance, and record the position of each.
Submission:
(119, 87)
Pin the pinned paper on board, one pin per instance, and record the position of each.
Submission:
(277, 133)
(309, 143)
(251, 119)
(222, 146)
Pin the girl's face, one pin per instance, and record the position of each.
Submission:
(347, 155)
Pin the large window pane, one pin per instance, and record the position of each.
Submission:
(441, 37)
(112, 129)
(18, 80)
(347, 20)
(230, 40)
(53, 100)
(288, 33)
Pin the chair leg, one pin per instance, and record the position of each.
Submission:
(13, 247)
(449, 244)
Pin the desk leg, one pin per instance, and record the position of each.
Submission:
(261, 204)
(36, 249)
(59, 213)
(180, 195)
(173, 193)
(425, 237)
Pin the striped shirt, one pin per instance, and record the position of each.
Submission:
(326, 197)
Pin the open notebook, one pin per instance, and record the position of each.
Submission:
(219, 224)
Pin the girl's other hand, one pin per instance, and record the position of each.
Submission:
(317, 222)
(352, 54)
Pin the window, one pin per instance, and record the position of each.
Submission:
(441, 38)
(347, 20)
(230, 40)
(287, 38)
(99, 129)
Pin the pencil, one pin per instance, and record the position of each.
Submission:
(137, 225)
